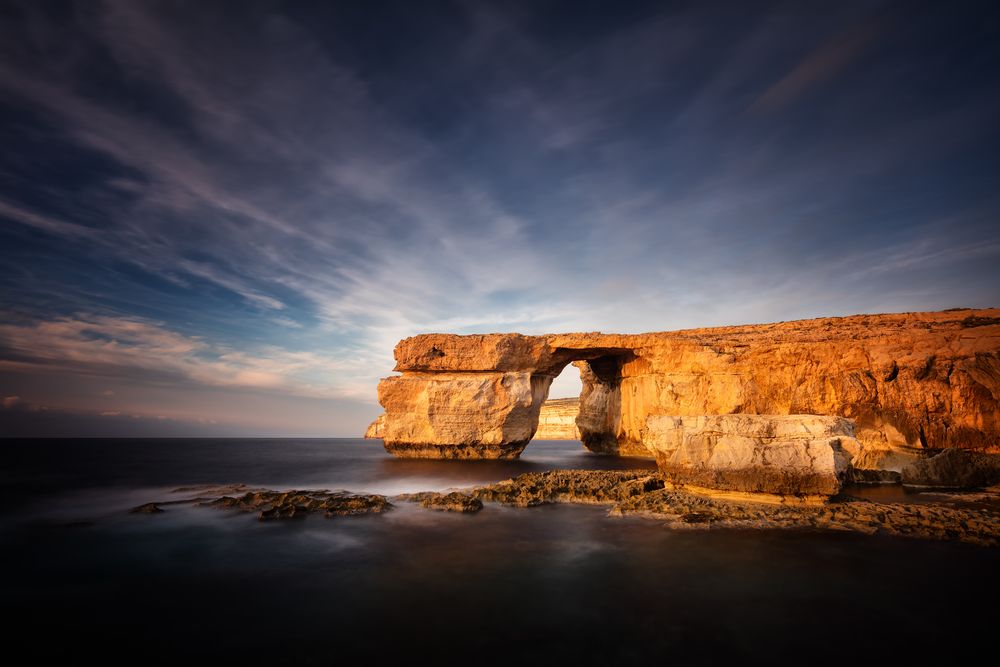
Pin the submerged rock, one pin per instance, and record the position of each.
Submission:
(640, 493)
(297, 504)
(146, 508)
(788, 455)
(577, 486)
(954, 468)
(446, 502)
(861, 476)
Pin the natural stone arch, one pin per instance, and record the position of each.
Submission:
(910, 381)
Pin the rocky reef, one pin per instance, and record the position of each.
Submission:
(973, 518)
(912, 383)
(641, 494)
(453, 501)
(296, 504)
(572, 486)
(291, 504)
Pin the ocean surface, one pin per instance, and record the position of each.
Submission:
(563, 584)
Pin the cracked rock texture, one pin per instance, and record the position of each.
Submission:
(954, 468)
(912, 382)
(295, 504)
(557, 419)
(636, 492)
(454, 501)
(777, 454)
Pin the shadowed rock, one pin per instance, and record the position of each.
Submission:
(147, 508)
(638, 493)
(578, 486)
(955, 469)
(445, 502)
(859, 476)
(297, 504)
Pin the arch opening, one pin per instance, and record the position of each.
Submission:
(599, 405)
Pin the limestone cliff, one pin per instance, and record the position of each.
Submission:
(783, 455)
(557, 419)
(910, 381)
(376, 428)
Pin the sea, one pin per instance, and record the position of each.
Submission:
(84, 579)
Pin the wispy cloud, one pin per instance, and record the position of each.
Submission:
(265, 208)
(47, 224)
(129, 347)
(822, 63)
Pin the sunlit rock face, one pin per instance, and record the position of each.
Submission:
(784, 455)
(910, 381)
(375, 429)
(557, 419)
(464, 415)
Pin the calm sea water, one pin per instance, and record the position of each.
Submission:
(555, 585)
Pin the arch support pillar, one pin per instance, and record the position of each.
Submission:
(470, 415)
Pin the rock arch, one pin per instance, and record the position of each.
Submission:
(479, 396)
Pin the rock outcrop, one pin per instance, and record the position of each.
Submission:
(297, 504)
(454, 501)
(954, 469)
(973, 518)
(557, 419)
(376, 428)
(910, 381)
(786, 455)
(637, 492)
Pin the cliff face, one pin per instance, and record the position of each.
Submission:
(778, 455)
(557, 419)
(910, 382)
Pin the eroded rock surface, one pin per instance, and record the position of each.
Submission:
(557, 419)
(454, 501)
(636, 492)
(577, 486)
(971, 518)
(147, 508)
(295, 504)
(376, 428)
(954, 468)
(911, 382)
(796, 455)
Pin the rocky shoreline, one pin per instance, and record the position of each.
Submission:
(639, 493)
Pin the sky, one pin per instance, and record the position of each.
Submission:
(219, 218)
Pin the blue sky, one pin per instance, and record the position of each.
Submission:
(219, 218)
